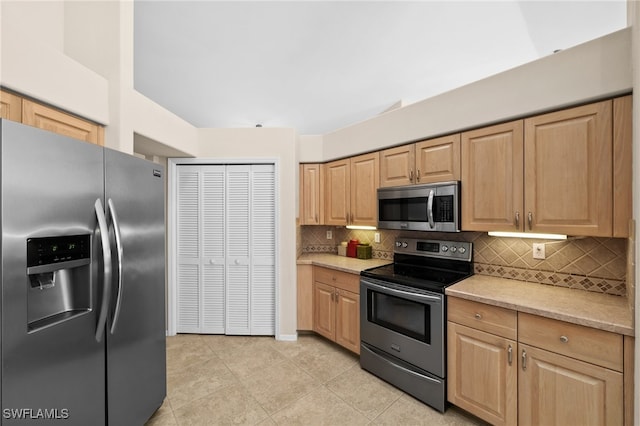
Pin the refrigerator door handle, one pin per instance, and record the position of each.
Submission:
(119, 251)
(106, 258)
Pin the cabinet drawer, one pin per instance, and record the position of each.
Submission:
(584, 343)
(492, 319)
(339, 279)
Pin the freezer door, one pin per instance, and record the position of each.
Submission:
(136, 378)
(52, 364)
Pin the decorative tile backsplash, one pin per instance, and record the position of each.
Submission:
(592, 264)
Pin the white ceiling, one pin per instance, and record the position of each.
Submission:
(317, 66)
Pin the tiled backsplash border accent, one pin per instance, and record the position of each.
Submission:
(591, 264)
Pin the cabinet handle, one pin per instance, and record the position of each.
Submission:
(518, 220)
(418, 175)
(316, 217)
(478, 316)
(337, 296)
(510, 355)
(333, 297)
(524, 360)
(564, 339)
(530, 219)
(411, 176)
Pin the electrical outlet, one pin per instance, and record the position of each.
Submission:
(329, 235)
(376, 237)
(538, 251)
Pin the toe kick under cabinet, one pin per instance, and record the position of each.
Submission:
(509, 367)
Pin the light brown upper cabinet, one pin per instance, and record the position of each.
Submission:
(351, 191)
(311, 188)
(16, 108)
(552, 173)
(568, 171)
(622, 165)
(433, 160)
(10, 106)
(47, 118)
(492, 161)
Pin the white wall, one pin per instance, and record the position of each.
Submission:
(78, 56)
(281, 144)
(33, 63)
(593, 70)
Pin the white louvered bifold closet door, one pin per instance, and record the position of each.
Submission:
(262, 245)
(226, 249)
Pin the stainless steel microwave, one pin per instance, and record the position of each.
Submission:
(425, 207)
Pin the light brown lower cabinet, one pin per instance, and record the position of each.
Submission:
(336, 307)
(554, 389)
(549, 372)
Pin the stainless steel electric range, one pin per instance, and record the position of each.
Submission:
(403, 315)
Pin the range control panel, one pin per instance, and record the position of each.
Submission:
(460, 250)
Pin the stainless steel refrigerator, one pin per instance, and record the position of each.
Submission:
(83, 282)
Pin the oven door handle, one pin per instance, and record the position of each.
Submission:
(432, 223)
(425, 297)
(406, 370)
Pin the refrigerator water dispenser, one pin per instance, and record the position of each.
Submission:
(59, 279)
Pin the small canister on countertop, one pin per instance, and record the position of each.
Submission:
(352, 248)
(364, 251)
(342, 249)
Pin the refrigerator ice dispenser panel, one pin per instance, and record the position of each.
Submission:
(59, 279)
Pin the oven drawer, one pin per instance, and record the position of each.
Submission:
(414, 381)
(339, 279)
(584, 343)
(492, 319)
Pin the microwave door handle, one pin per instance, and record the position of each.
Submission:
(430, 209)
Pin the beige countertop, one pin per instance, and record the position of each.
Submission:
(602, 311)
(341, 263)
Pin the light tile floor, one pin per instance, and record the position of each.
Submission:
(215, 380)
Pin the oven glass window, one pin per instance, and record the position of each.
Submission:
(401, 315)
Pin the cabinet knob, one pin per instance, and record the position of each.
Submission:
(478, 316)
(212, 261)
(564, 339)
(418, 175)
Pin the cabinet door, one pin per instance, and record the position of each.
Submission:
(336, 197)
(558, 390)
(310, 185)
(492, 172)
(364, 190)
(568, 171)
(438, 160)
(397, 166)
(46, 118)
(10, 106)
(305, 297)
(324, 310)
(348, 320)
(483, 372)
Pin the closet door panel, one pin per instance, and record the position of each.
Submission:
(213, 248)
(238, 244)
(188, 236)
(263, 250)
